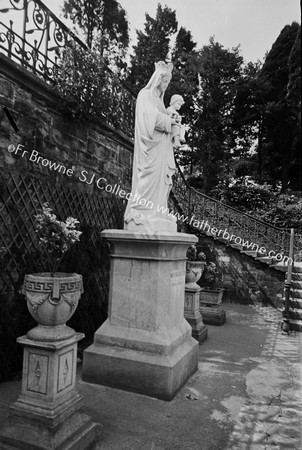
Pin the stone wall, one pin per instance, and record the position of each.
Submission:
(70, 152)
(245, 280)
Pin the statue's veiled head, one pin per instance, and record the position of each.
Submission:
(160, 79)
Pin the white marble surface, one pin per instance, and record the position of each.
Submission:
(145, 332)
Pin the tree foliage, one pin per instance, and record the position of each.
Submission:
(281, 103)
(268, 114)
(103, 23)
(184, 82)
(87, 87)
(281, 210)
(243, 119)
(152, 45)
(293, 98)
(218, 71)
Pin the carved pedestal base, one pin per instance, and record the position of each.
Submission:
(145, 345)
(47, 414)
(213, 315)
(193, 316)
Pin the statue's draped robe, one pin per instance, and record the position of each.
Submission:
(154, 163)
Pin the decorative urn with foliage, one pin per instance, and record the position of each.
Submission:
(211, 292)
(194, 267)
(52, 297)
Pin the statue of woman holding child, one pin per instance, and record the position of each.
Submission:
(154, 163)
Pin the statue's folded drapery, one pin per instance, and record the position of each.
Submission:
(154, 163)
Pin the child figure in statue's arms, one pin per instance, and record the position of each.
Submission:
(178, 130)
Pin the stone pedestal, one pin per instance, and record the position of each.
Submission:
(46, 416)
(193, 316)
(209, 306)
(213, 315)
(145, 345)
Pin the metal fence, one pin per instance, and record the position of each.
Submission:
(32, 36)
(209, 213)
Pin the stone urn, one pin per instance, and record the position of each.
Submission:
(51, 302)
(194, 271)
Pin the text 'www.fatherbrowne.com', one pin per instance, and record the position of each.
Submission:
(205, 226)
(101, 183)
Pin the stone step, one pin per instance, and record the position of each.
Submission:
(236, 246)
(295, 293)
(265, 259)
(252, 253)
(297, 276)
(279, 266)
(294, 303)
(297, 267)
(296, 284)
(223, 241)
(295, 313)
(296, 324)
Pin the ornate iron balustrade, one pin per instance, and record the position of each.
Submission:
(210, 213)
(35, 38)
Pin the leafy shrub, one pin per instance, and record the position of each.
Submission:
(246, 197)
(88, 88)
(55, 237)
(194, 255)
(285, 212)
(281, 210)
(196, 181)
(211, 275)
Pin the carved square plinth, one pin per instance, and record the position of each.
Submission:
(191, 303)
(193, 316)
(66, 372)
(37, 372)
(49, 368)
(47, 414)
(145, 345)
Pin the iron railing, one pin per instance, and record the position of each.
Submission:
(204, 213)
(32, 36)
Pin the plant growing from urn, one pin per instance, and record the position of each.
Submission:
(211, 275)
(194, 255)
(52, 297)
(211, 292)
(55, 237)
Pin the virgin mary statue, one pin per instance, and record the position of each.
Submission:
(154, 163)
